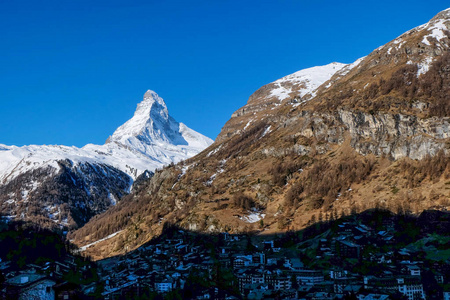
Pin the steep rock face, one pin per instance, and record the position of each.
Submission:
(66, 186)
(396, 135)
(391, 135)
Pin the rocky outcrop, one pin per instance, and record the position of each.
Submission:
(396, 135)
(382, 134)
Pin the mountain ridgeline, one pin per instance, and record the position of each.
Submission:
(327, 140)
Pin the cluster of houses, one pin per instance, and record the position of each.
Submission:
(256, 268)
(396, 272)
(47, 280)
(271, 272)
(160, 268)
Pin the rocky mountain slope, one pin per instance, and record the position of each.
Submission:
(321, 142)
(68, 185)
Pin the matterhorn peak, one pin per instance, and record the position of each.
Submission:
(151, 126)
(152, 101)
(149, 94)
(150, 113)
(95, 176)
(153, 106)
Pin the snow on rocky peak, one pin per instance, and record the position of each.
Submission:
(436, 27)
(433, 32)
(152, 125)
(436, 31)
(304, 82)
(150, 122)
(153, 133)
(433, 37)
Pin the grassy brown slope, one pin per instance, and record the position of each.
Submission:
(296, 164)
(399, 91)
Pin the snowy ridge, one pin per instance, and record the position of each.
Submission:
(347, 68)
(308, 80)
(437, 27)
(432, 34)
(150, 140)
(434, 31)
(18, 160)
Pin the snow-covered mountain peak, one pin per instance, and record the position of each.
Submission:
(152, 95)
(152, 103)
(313, 77)
(304, 82)
(151, 112)
(418, 46)
(434, 30)
(153, 132)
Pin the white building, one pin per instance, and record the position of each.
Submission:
(30, 286)
(309, 277)
(411, 289)
(164, 286)
(447, 295)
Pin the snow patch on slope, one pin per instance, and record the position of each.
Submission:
(81, 249)
(266, 131)
(347, 68)
(424, 65)
(253, 216)
(437, 26)
(280, 92)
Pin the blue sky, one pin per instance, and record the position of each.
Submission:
(73, 71)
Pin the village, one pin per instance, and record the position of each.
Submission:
(346, 260)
